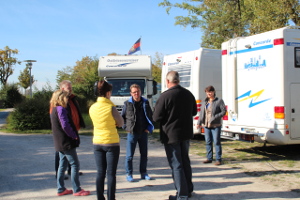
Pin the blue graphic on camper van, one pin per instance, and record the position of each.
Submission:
(255, 63)
(296, 44)
(119, 65)
(253, 98)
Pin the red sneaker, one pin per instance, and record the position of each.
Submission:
(65, 192)
(82, 193)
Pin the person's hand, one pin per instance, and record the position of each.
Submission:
(198, 126)
(146, 131)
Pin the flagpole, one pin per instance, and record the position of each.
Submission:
(135, 47)
(141, 44)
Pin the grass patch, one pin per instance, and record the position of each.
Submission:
(288, 163)
(45, 131)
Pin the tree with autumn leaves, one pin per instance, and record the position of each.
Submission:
(24, 78)
(7, 63)
(221, 20)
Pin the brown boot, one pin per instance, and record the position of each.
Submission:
(218, 163)
(207, 161)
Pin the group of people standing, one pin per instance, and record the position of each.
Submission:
(174, 111)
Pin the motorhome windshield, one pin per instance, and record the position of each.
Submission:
(121, 87)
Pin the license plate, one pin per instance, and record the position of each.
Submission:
(227, 134)
(248, 130)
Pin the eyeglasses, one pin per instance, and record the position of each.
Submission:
(135, 92)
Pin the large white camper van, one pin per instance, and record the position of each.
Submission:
(197, 70)
(261, 87)
(123, 71)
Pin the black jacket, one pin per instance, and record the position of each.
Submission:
(129, 115)
(62, 141)
(174, 110)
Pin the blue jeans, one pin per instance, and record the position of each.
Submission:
(107, 158)
(132, 140)
(57, 164)
(179, 161)
(66, 157)
(213, 135)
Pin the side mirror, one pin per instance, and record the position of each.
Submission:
(154, 87)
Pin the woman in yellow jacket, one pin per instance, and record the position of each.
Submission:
(106, 139)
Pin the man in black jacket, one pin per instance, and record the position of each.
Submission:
(174, 110)
(137, 115)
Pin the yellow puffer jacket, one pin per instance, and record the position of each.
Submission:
(105, 131)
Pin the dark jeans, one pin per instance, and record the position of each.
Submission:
(57, 164)
(107, 158)
(132, 140)
(179, 161)
(213, 135)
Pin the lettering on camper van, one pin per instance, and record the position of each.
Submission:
(255, 63)
(176, 63)
(295, 44)
(113, 62)
(255, 43)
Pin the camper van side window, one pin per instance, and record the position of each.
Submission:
(297, 57)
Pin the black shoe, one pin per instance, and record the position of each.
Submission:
(189, 195)
(172, 197)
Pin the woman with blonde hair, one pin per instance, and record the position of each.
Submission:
(66, 139)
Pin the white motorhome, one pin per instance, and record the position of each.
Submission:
(123, 71)
(261, 87)
(197, 70)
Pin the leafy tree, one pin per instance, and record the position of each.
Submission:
(64, 74)
(156, 67)
(7, 61)
(221, 20)
(113, 54)
(24, 78)
(83, 76)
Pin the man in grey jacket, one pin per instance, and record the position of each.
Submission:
(174, 110)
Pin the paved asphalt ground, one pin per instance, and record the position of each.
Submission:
(27, 172)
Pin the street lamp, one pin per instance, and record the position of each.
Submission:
(29, 64)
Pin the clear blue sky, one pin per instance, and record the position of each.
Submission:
(57, 33)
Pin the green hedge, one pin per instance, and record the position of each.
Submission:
(31, 114)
